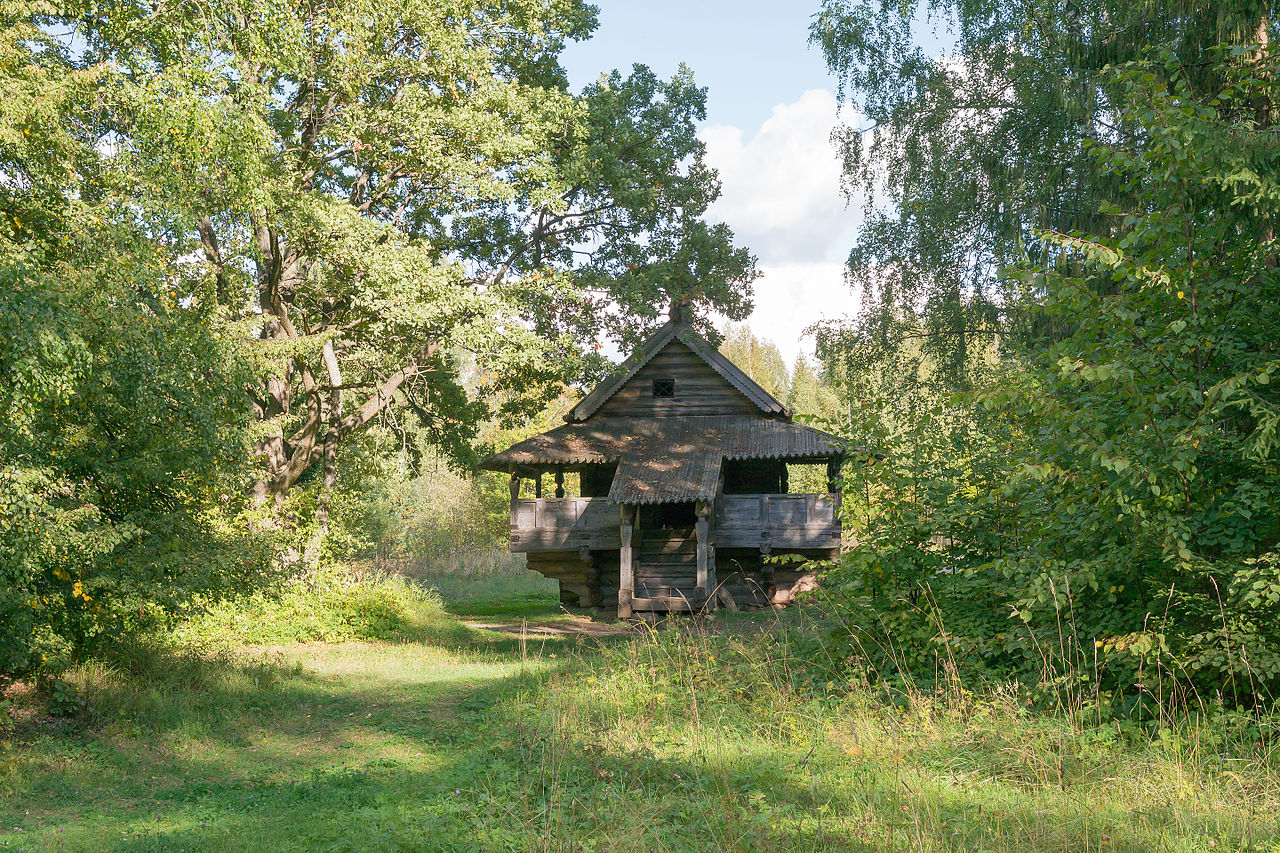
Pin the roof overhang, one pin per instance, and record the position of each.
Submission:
(667, 459)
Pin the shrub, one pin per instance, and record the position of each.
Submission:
(329, 604)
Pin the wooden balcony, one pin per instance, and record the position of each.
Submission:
(767, 522)
(776, 522)
(564, 524)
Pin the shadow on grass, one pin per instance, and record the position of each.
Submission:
(310, 762)
(484, 744)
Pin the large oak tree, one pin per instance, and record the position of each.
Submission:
(383, 192)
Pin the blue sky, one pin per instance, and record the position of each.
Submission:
(751, 55)
(771, 108)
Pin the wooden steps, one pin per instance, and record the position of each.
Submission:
(666, 571)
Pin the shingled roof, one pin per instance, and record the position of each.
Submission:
(669, 458)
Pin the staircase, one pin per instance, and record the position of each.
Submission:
(666, 570)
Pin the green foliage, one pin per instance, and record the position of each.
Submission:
(1100, 510)
(121, 430)
(120, 439)
(976, 154)
(387, 193)
(329, 605)
(63, 698)
(758, 358)
(235, 243)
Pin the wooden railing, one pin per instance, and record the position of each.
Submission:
(563, 524)
(780, 522)
(776, 521)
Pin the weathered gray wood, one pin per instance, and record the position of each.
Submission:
(667, 602)
(706, 575)
(557, 524)
(726, 598)
(666, 586)
(774, 522)
(626, 580)
(699, 389)
(601, 556)
(656, 568)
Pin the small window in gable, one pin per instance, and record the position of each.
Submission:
(664, 387)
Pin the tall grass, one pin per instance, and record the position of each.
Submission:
(484, 583)
(737, 732)
(771, 761)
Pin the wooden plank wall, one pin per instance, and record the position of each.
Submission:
(699, 389)
(562, 524)
(741, 521)
(781, 521)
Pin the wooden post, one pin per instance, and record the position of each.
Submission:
(626, 577)
(515, 495)
(559, 482)
(537, 485)
(706, 577)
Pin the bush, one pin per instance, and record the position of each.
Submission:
(329, 604)
(120, 443)
(1101, 506)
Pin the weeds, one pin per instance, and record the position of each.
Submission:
(730, 733)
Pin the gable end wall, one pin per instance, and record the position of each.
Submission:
(699, 389)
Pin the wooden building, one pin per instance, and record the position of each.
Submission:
(682, 461)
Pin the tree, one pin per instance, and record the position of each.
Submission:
(759, 358)
(1107, 500)
(379, 189)
(809, 395)
(979, 153)
(120, 426)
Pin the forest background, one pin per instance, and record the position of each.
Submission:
(272, 278)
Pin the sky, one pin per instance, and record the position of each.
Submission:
(770, 111)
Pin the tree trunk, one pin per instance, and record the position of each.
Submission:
(329, 456)
(281, 273)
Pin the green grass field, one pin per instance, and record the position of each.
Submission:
(419, 733)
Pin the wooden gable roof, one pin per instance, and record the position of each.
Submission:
(671, 452)
(676, 333)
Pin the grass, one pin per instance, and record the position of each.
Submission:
(488, 584)
(444, 737)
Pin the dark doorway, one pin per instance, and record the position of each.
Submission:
(668, 516)
(755, 477)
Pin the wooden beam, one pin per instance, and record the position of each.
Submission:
(626, 577)
(515, 496)
(833, 477)
(706, 580)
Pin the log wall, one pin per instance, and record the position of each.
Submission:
(699, 389)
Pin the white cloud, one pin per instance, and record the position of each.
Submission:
(781, 196)
(791, 297)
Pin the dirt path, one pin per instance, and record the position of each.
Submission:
(572, 625)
